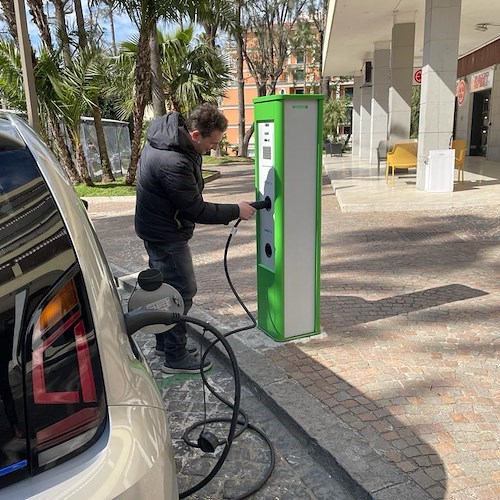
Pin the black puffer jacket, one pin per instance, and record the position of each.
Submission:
(170, 184)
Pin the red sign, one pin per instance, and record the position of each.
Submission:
(461, 87)
(482, 80)
(417, 77)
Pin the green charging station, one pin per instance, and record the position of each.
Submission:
(288, 135)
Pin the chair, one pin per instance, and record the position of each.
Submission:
(382, 148)
(403, 156)
(327, 145)
(460, 147)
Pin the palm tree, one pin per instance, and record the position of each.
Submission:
(62, 31)
(77, 87)
(107, 174)
(9, 16)
(47, 68)
(12, 92)
(193, 72)
(145, 14)
(335, 113)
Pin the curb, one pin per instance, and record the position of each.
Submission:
(336, 447)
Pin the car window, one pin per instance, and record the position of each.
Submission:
(51, 391)
(39, 150)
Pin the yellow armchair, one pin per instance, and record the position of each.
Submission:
(460, 147)
(403, 155)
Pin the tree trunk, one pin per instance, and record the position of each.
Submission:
(80, 23)
(246, 140)
(325, 86)
(10, 17)
(112, 27)
(40, 19)
(64, 153)
(81, 163)
(242, 151)
(62, 31)
(107, 173)
(157, 89)
(142, 89)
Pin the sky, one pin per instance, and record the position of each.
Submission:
(124, 28)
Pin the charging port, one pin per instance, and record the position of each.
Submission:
(269, 203)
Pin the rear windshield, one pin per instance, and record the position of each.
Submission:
(35, 252)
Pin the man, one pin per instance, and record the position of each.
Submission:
(170, 202)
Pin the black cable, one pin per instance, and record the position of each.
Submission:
(233, 289)
(236, 410)
(236, 405)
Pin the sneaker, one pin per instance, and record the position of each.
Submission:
(186, 364)
(190, 348)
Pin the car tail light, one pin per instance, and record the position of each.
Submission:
(66, 403)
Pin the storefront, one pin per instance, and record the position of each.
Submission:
(477, 117)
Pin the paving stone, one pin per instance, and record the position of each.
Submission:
(412, 329)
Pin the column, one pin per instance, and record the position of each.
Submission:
(356, 105)
(439, 74)
(402, 51)
(380, 97)
(365, 122)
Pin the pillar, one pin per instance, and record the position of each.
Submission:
(402, 51)
(365, 122)
(355, 123)
(380, 97)
(439, 74)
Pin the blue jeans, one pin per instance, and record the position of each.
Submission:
(174, 261)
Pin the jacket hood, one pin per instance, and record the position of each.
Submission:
(165, 133)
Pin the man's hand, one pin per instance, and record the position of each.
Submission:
(246, 210)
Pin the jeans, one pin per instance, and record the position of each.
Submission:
(174, 261)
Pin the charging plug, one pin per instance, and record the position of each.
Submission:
(259, 205)
(207, 442)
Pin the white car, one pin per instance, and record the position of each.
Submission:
(80, 414)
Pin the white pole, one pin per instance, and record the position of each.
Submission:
(27, 64)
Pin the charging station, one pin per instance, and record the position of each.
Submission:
(288, 139)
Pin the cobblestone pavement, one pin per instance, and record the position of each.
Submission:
(410, 315)
(296, 475)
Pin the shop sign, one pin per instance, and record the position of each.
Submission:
(417, 76)
(482, 80)
(461, 89)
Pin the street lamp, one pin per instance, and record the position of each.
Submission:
(27, 65)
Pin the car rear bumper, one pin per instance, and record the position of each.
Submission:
(133, 459)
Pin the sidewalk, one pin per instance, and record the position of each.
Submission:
(400, 392)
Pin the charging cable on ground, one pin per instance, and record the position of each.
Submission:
(140, 318)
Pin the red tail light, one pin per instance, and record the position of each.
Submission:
(68, 406)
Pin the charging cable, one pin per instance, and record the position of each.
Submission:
(209, 440)
(139, 318)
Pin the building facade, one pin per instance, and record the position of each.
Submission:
(300, 76)
(455, 45)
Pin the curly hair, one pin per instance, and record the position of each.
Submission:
(206, 118)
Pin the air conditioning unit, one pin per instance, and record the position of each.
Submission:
(367, 74)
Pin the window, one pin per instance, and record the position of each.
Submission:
(52, 393)
(299, 75)
(301, 58)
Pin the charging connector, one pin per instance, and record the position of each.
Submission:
(265, 203)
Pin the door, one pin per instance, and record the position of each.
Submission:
(480, 123)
